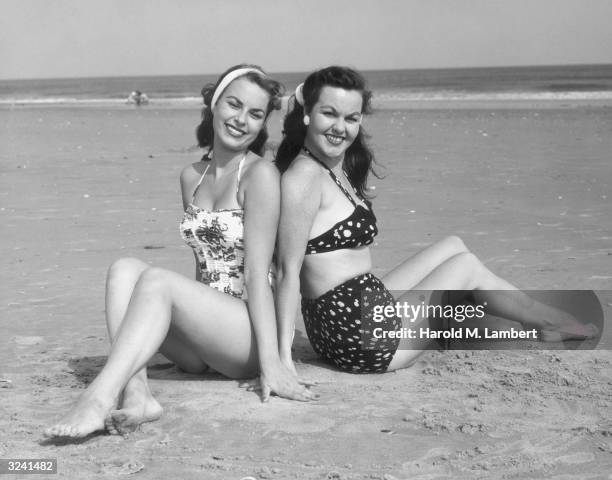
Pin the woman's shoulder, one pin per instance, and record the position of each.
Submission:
(193, 171)
(259, 169)
(259, 181)
(301, 182)
(303, 170)
(190, 176)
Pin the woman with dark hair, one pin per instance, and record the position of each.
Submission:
(327, 224)
(231, 203)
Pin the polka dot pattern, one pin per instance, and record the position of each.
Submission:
(337, 331)
(347, 233)
(357, 230)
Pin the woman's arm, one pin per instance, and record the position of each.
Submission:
(300, 202)
(261, 203)
(189, 177)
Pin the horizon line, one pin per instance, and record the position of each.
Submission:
(292, 72)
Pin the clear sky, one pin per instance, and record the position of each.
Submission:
(82, 38)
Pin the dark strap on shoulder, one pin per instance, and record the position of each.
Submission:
(332, 175)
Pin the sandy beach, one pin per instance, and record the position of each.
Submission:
(527, 188)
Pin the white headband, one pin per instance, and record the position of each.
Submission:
(229, 78)
(299, 94)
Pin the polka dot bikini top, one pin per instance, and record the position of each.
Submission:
(356, 230)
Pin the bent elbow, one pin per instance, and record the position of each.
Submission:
(255, 275)
(287, 270)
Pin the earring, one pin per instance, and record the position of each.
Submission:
(306, 120)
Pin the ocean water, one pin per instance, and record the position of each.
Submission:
(575, 82)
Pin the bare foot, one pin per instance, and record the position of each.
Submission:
(86, 417)
(575, 331)
(137, 408)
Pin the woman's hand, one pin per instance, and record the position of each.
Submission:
(281, 381)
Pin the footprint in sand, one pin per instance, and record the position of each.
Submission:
(20, 340)
(576, 458)
(122, 467)
(293, 419)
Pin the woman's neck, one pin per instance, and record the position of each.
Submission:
(334, 163)
(225, 161)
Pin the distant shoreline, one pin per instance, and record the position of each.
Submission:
(579, 83)
(378, 103)
(301, 74)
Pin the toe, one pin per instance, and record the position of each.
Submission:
(110, 426)
(118, 418)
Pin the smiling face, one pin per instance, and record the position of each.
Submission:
(334, 122)
(239, 115)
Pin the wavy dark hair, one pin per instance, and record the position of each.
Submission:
(358, 158)
(204, 131)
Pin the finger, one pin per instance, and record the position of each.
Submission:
(265, 393)
(246, 384)
(308, 383)
(253, 386)
(303, 395)
(310, 395)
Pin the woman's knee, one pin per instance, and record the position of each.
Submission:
(455, 244)
(473, 268)
(155, 280)
(469, 260)
(126, 267)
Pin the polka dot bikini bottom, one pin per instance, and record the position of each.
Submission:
(339, 334)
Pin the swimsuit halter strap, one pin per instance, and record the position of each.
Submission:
(332, 175)
(195, 190)
(240, 165)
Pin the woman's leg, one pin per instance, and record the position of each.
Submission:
(214, 326)
(136, 403)
(465, 272)
(413, 270)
